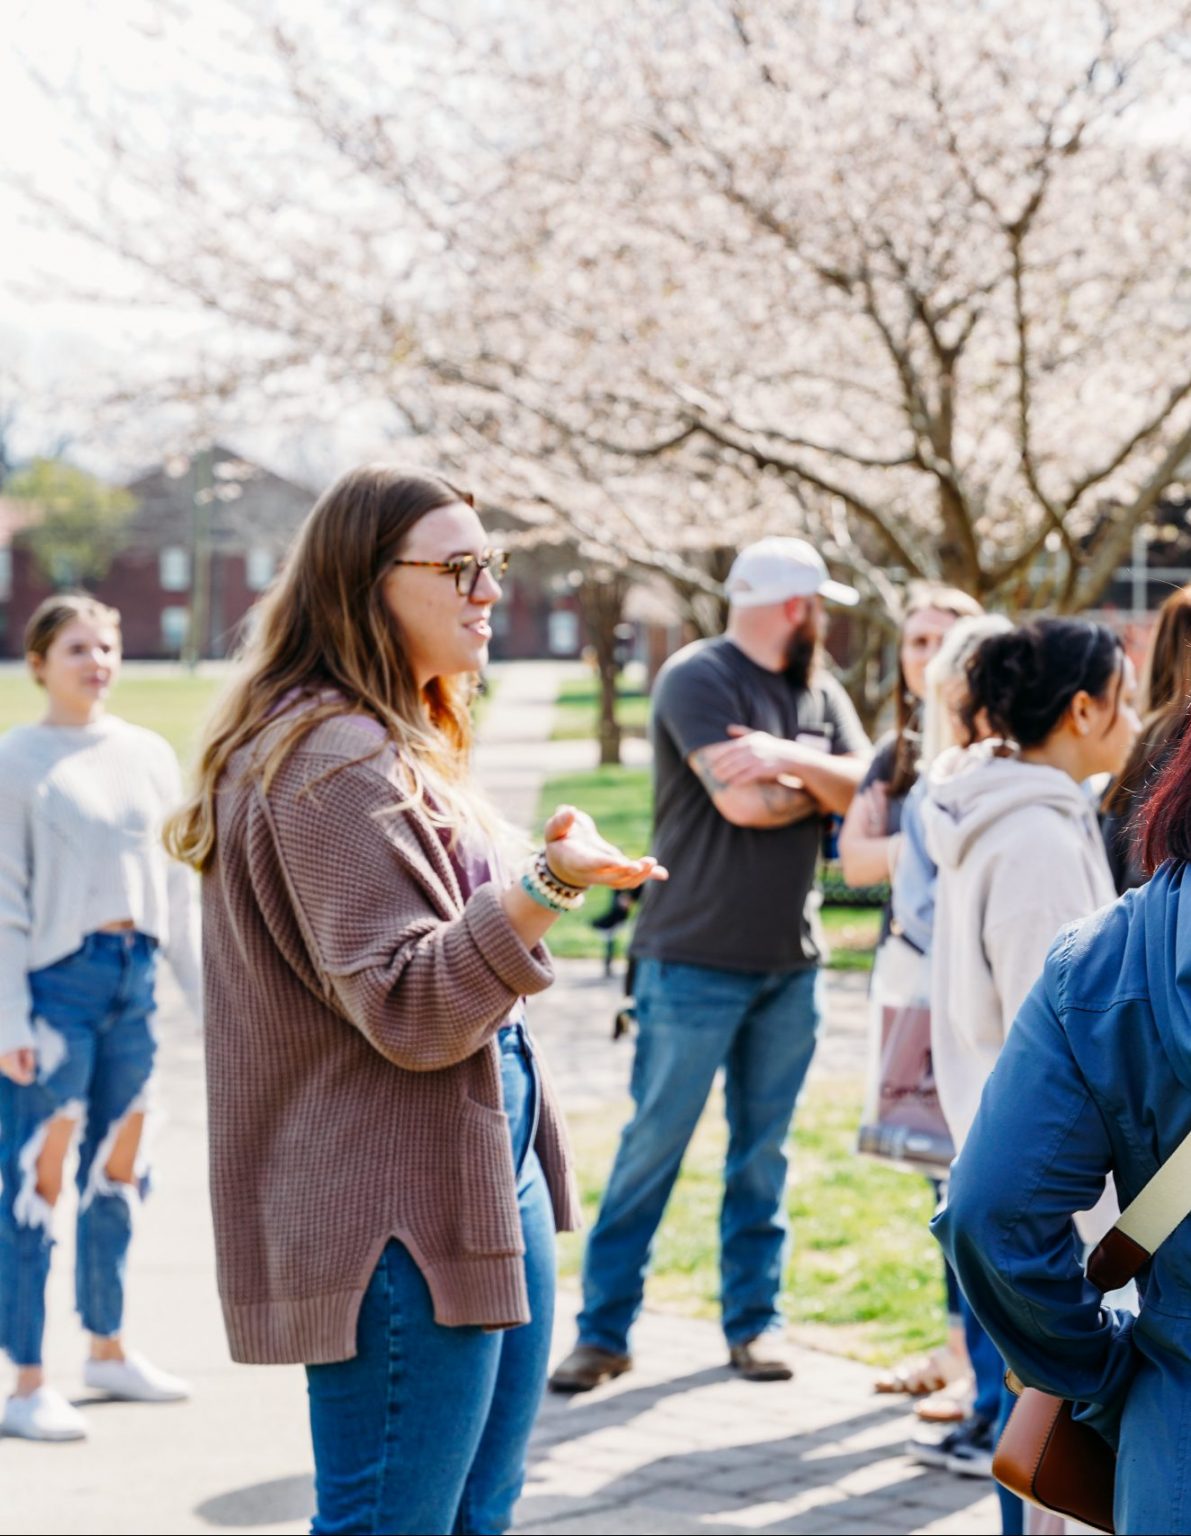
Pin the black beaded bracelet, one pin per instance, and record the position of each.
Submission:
(549, 878)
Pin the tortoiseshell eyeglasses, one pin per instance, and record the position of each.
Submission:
(466, 568)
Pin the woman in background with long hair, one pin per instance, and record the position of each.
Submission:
(868, 842)
(869, 845)
(1165, 692)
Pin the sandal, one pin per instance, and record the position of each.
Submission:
(923, 1374)
(950, 1404)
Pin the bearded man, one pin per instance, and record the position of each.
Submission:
(754, 744)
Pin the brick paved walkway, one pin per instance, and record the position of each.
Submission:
(680, 1444)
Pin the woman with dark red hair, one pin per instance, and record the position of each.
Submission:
(1095, 1078)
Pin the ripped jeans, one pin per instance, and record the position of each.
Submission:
(93, 1027)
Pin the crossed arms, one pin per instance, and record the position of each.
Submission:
(762, 781)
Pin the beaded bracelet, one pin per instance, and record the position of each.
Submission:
(540, 882)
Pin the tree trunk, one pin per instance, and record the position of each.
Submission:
(601, 601)
(868, 685)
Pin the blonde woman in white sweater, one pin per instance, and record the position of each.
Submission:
(87, 899)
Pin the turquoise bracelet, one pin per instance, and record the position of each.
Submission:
(540, 882)
(539, 894)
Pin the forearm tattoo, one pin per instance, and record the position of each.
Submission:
(779, 801)
(711, 781)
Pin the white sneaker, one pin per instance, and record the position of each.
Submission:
(43, 1415)
(135, 1380)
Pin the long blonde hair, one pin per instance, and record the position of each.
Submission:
(959, 645)
(323, 636)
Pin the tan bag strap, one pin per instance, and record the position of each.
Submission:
(1145, 1223)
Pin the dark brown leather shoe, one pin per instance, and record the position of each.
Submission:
(586, 1367)
(764, 1358)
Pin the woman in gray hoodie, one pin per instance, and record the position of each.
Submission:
(1018, 848)
(1015, 837)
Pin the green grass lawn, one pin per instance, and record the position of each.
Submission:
(852, 933)
(577, 711)
(173, 704)
(865, 1276)
(619, 799)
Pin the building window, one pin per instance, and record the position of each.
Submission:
(563, 633)
(259, 566)
(174, 568)
(175, 625)
(5, 575)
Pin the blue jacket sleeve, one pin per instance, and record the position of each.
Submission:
(913, 894)
(1038, 1152)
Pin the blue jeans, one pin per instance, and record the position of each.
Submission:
(426, 1428)
(987, 1366)
(93, 1025)
(993, 1402)
(692, 1019)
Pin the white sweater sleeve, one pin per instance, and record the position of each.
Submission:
(15, 918)
(183, 948)
(184, 951)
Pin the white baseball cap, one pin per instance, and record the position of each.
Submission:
(774, 570)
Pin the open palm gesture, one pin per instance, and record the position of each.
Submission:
(578, 854)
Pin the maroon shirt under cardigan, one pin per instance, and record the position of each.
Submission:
(353, 1075)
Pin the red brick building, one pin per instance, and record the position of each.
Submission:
(211, 532)
(214, 524)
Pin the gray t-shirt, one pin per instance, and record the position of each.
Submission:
(737, 897)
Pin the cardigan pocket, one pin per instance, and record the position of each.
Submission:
(491, 1220)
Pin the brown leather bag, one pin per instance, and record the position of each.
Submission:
(1047, 1458)
(1044, 1455)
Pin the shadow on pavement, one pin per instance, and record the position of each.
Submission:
(567, 1416)
(728, 1480)
(272, 1503)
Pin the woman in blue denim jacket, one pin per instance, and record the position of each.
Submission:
(1095, 1078)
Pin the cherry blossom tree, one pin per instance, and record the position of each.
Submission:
(906, 276)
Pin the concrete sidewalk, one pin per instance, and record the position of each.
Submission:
(515, 754)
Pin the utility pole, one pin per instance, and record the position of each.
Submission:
(200, 558)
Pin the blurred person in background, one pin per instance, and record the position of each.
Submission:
(88, 899)
(1165, 692)
(973, 1400)
(869, 845)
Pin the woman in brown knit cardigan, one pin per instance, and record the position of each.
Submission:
(388, 1163)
